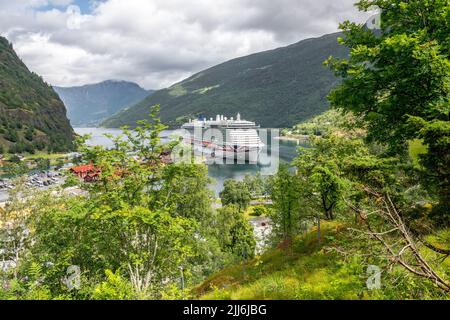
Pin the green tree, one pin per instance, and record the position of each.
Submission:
(235, 192)
(329, 186)
(16, 169)
(149, 246)
(11, 135)
(236, 234)
(398, 81)
(15, 239)
(256, 184)
(115, 287)
(15, 159)
(435, 161)
(185, 192)
(321, 168)
(399, 72)
(29, 134)
(59, 164)
(42, 164)
(149, 221)
(287, 199)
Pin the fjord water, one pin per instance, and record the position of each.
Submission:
(287, 152)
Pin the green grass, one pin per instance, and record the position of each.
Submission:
(49, 156)
(249, 212)
(441, 240)
(303, 271)
(177, 90)
(306, 270)
(416, 148)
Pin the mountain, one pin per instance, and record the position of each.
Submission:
(276, 88)
(90, 104)
(32, 117)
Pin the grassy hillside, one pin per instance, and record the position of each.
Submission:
(331, 121)
(346, 124)
(306, 270)
(276, 88)
(32, 117)
(91, 104)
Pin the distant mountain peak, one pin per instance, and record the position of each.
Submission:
(117, 81)
(90, 104)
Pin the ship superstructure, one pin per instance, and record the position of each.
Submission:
(225, 138)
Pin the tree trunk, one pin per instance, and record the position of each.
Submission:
(318, 230)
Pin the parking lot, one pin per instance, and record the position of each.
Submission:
(41, 180)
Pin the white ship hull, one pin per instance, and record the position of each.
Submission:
(224, 140)
(216, 156)
(223, 154)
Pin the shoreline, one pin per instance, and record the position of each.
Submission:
(292, 138)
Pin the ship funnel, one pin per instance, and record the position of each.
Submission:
(238, 118)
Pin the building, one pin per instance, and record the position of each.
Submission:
(87, 172)
(90, 173)
(166, 157)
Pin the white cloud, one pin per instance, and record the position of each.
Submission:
(60, 3)
(157, 42)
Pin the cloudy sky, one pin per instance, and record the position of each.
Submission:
(156, 42)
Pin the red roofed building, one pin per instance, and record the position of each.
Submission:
(166, 157)
(90, 173)
(87, 172)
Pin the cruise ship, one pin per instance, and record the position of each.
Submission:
(224, 139)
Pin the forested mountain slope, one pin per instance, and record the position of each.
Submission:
(276, 88)
(32, 117)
